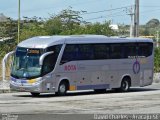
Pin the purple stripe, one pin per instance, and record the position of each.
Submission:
(85, 87)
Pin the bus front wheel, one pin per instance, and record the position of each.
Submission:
(62, 89)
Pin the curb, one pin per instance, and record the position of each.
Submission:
(5, 90)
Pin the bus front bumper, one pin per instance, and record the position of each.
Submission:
(37, 85)
(25, 86)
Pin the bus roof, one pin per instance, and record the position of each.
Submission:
(46, 41)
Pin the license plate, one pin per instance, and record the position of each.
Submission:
(22, 89)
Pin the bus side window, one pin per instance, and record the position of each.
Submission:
(130, 50)
(48, 64)
(101, 51)
(145, 49)
(86, 52)
(116, 51)
(50, 61)
(70, 53)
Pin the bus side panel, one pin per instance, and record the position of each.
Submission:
(67, 71)
(119, 68)
(146, 71)
(93, 74)
(128, 68)
(48, 85)
(146, 63)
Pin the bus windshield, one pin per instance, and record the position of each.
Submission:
(26, 63)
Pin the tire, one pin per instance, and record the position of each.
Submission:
(35, 94)
(62, 89)
(125, 85)
(100, 90)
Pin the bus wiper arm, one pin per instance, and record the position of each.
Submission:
(20, 68)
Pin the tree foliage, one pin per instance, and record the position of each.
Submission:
(70, 22)
(8, 28)
(67, 22)
(157, 60)
(31, 27)
(153, 23)
(150, 28)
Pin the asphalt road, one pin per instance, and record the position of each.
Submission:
(144, 100)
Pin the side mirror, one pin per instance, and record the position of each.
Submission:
(43, 56)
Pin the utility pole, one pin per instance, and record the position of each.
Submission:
(19, 20)
(131, 13)
(157, 39)
(136, 19)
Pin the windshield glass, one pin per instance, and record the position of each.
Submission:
(26, 63)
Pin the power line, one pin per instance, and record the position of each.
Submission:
(94, 12)
(100, 17)
(105, 17)
(49, 8)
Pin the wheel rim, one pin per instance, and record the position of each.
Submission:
(125, 85)
(62, 88)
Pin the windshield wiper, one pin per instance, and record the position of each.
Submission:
(20, 68)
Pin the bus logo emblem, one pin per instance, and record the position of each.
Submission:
(136, 67)
(70, 68)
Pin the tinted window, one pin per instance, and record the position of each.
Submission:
(129, 50)
(70, 53)
(48, 64)
(145, 49)
(86, 52)
(50, 61)
(115, 51)
(55, 48)
(105, 51)
(101, 51)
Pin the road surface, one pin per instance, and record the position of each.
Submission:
(144, 100)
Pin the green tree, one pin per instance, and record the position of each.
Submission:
(70, 22)
(8, 31)
(64, 23)
(31, 27)
(54, 26)
(153, 23)
(157, 60)
(8, 28)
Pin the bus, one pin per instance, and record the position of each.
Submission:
(57, 64)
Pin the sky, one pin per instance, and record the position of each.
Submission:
(98, 10)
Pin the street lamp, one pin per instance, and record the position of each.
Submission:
(19, 19)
